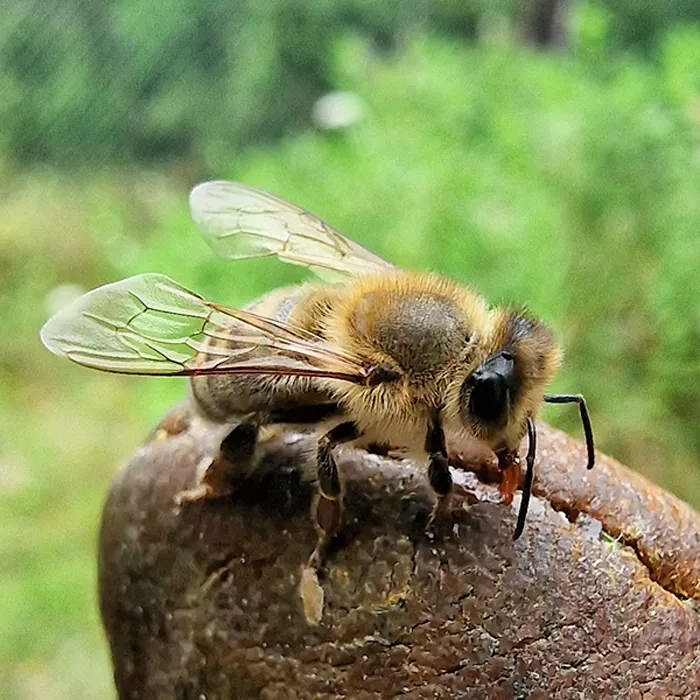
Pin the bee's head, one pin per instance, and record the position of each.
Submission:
(495, 398)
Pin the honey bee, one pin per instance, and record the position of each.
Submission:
(374, 355)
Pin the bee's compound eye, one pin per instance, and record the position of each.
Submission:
(488, 399)
(486, 393)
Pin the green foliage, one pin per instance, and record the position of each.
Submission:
(565, 181)
(94, 83)
(638, 23)
(119, 80)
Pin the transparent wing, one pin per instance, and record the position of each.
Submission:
(239, 222)
(149, 324)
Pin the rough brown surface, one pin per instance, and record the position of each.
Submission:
(205, 602)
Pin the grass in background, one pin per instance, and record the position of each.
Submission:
(536, 178)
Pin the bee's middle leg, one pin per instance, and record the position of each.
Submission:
(438, 469)
(328, 505)
(232, 460)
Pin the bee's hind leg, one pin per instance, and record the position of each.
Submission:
(438, 471)
(328, 505)
(232, 461)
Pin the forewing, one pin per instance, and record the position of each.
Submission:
(240, 222)
(149, 324)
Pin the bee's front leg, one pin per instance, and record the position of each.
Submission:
(328, 506)
(438, 468)
(233, 459)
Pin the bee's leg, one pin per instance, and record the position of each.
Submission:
(438, 468)
(379, 448)
(328, 506)
(232, 461)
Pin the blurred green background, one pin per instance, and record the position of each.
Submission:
(543, 151)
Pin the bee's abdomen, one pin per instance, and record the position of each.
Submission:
(279, 303)
(224, 395)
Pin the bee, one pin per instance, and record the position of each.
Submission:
(373, 354)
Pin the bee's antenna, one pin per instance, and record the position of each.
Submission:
(529, 473)
(585, 419)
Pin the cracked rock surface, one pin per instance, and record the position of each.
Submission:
(600, 598)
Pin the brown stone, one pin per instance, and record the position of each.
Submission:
(598, 599)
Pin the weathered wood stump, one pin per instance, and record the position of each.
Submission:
(598, 599)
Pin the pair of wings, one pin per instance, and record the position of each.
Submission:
(149, 324)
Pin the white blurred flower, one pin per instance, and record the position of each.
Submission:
(337, 110)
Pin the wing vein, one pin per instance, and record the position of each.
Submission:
(239, 221)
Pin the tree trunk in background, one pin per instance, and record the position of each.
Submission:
(545, 22)
(598, 599)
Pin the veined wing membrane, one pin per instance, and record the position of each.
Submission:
(149, 324)
(239, 221)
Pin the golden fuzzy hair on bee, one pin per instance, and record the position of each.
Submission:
(373, 315)
(417, 326)
(530, 340)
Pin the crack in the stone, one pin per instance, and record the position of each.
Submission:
(631, 541)
(452, 669)
(526, 642)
